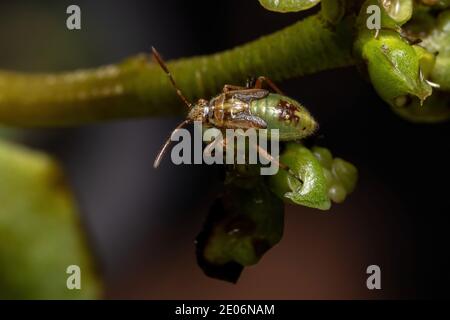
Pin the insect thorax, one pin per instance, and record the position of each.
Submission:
(222, 110)
(199, 111)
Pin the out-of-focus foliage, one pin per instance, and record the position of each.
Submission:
(441, 4)
(40, 232)
(10, 133)
(243, 223)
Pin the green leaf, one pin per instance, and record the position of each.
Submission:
(243, 223)
(288, 5)
(40, 231)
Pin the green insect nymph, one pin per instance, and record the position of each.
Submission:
(292, 120)
(245, 108)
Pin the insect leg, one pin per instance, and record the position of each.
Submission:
(259, 82)
(163, 65)
(263, 153)
(229, 87)
(213, 144)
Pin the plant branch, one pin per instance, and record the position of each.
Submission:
(138, 88)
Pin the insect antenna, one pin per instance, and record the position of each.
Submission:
(163, 150)
(163, 65)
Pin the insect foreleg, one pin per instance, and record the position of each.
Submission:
(259, 82)
(229, 87)
(210, 146)
(266, 155)
(263, 153)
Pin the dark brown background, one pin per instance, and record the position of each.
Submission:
(142, 221)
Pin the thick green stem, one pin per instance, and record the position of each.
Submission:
(138, 88)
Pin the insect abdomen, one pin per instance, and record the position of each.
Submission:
(283, 113)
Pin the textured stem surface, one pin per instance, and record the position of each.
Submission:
(138, 88)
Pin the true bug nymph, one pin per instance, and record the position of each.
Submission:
(244, 108)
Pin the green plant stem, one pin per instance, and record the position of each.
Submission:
(138, 88)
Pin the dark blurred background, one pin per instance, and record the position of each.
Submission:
(142, 222)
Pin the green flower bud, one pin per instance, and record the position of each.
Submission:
(288, 5)
(315, 178)
(427, 60)
(438, 42)
(399, 11)
(393, 13)
(434, 55)
(306, 185)
(346, 173)
(329, 177)
(324, 156)
(337, 193)
(394, 67)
